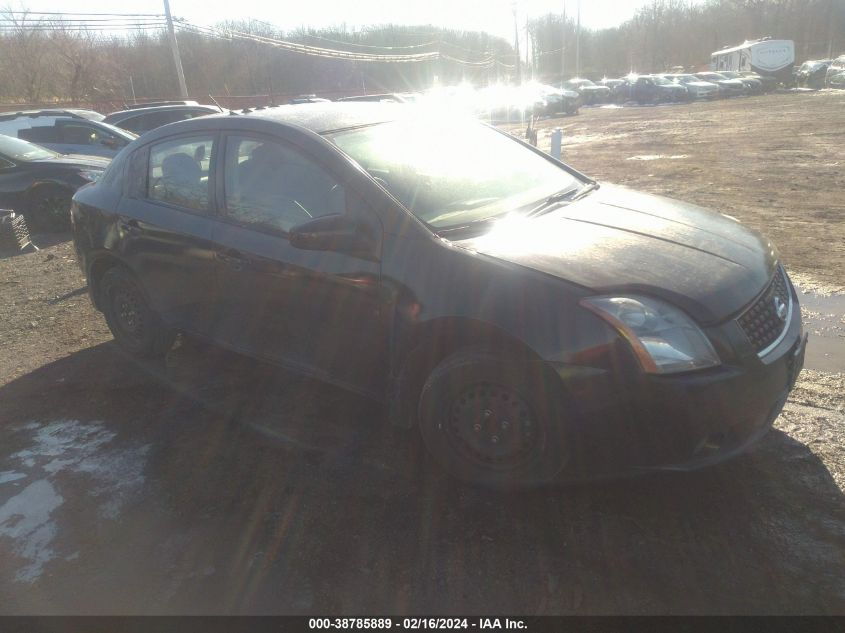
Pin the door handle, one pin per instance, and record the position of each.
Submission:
(130, 226)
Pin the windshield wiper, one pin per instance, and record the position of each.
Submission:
(567, 194)
(468, 225)
(588, 188)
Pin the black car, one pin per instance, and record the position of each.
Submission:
(39, 183)
(530, 323)
(140, 120)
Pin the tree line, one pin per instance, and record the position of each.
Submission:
(61, 63)
(668, 33)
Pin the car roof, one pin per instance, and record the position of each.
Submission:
(161, 108)
(72, 113)
(332, 115)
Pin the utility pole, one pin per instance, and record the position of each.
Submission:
(578, 43)
(529, 51)
(563, 48)
(516, 46)
(174, 47)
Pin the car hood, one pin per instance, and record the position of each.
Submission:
(732, 82)
(78, 160)
(619, 240)
(701, 84)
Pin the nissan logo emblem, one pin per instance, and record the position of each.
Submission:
(780, 308)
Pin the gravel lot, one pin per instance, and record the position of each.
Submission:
(215, 484)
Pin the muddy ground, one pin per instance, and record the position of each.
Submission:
(215, 484)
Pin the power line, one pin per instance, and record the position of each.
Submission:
(57, 21)
(305, 49)
(121, 15)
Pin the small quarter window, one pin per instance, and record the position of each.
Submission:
(178, 172)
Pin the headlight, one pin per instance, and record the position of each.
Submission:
(90, 175)
(664, 339)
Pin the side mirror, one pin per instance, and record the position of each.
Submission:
(337, 233)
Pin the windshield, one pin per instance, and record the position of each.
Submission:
(20, 150)
(661, 81)
(449, 173)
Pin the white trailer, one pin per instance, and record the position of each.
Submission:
(765, 57)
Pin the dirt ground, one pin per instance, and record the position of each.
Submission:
(215, 484)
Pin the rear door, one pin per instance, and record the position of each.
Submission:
(165, 227)
(319, 312)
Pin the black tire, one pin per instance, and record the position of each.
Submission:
(489, 420)
(48, 208)
(136, 328)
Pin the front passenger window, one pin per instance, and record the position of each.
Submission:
(273, 186)
(178, 172)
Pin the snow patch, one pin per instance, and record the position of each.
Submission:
(56, 456)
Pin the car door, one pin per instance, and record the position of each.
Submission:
(316, 311)
(164, 227)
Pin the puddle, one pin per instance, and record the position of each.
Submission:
(824, 320)
(63, 458)
(656, 157)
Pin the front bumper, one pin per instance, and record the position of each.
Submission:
(678, 422)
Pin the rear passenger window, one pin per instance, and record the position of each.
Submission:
(40, 134)
(178, 172)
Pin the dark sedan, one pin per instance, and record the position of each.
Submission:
(532, 325)
(39, 183)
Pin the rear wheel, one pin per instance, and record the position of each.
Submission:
(133, 323)
(493, 421)
(49, 208)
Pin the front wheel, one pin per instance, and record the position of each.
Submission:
(133, 323)
(49, 208)
(493, 420)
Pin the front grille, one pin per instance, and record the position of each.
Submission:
(761, 323)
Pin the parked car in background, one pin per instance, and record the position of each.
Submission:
(557, 100)
(308, 99)
(392, 97)
(696, 88)
(812, 73)
(835, 75)
(727, 87)
(590, 92)
(652, 89)
(530, 323)
(66, 132)
(39, 183)
(753, 85)
(611, 84)
(140, 120)
(768, 82)
(621, 90)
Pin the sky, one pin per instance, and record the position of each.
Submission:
(493, 16)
